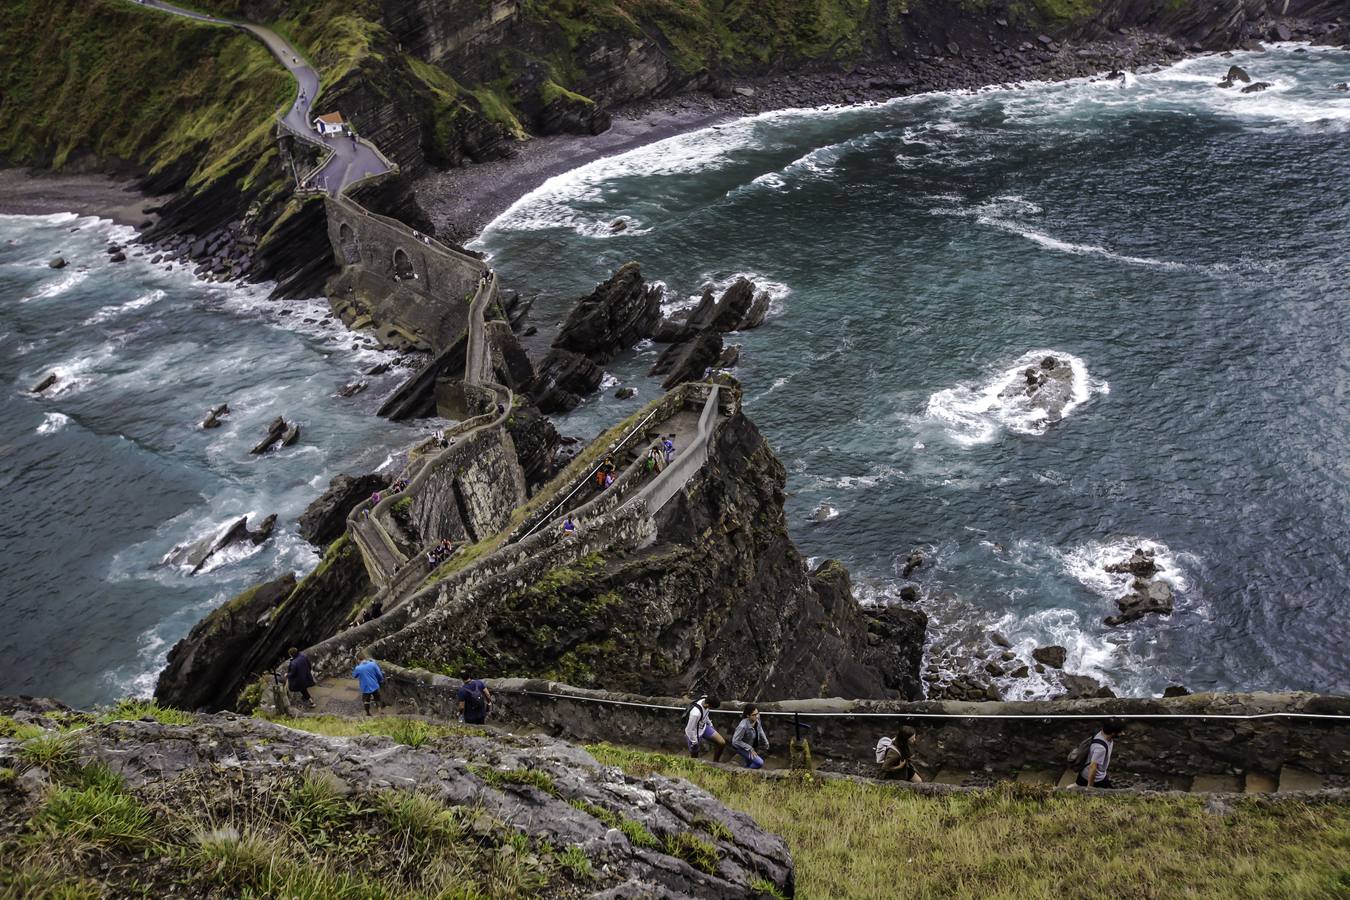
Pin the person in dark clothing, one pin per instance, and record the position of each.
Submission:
(376, 610)
(895, 758)
(474, 700)
(299, 678)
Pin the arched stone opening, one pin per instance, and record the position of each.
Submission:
(351, 249)
(403, 267)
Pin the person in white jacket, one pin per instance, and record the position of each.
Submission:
(698, 728)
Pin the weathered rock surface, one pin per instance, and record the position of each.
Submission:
(563, 379)
(50, 379)
(324, 520)
(690, 360)
(57, 262)
(1053, 656)
(249, 634)
(496, 784)
(1140, 563)
(1256, 87)
(1145, 597)
(276, 431)
(537, 441)
(612, 318)
(214, 414)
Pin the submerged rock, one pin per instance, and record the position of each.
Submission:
(213, 415)
(50, 379)
(1049, 385)
(57, 262)
(1256, 87)
(625, 393)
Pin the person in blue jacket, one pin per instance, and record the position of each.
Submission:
(368, 678)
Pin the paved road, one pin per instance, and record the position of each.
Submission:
(352, 159)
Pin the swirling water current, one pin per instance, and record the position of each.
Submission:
(1183, 245)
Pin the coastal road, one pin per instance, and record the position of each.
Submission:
(352, 158)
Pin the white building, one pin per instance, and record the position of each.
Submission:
(330, 124)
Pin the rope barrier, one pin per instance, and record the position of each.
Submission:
(931, 715)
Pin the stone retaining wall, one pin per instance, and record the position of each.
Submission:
(1165, 738)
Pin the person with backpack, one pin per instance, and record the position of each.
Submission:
(1092, 758)
(369, 678)
(895, 757)
(474, 700)
(698, 728)
(749, 737)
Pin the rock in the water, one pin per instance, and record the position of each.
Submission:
(1176, 690)
(562, 379)
(196, 555)
(689, 361)
(1081, 687)
(999, 639)
(378, 369)
(1021, 672)
(625, 393)
(1256, 87)
(291, 436)
(1144, 598)
(739, 308)
(118, 257)
(57, 262)
(1341, 86)
(1053, 656)
(612, 318)
(352, 388)
(1049, 385)
(915, 560)
(1140, 564)
(730, 356)
(212, 419)
(1237, 73)
(324, 520)
(822, 513)
(909, 593)
(45, 383)
(275, 431)
(618, 225)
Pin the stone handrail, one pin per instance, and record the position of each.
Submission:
(676, 475)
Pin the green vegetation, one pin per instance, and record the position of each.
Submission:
(849, 839)
(503, 778)
(309, 836)
(692, 849)
(413, 732)
(102, 77)
(132, 708)
(638, 835)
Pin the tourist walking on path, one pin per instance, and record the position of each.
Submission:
(698, 728)
(749, 739)
(569, 528)
(1093, 757)
(299, 678)
(369, 678)
(474, 700)
(895, 758)
(668, 447)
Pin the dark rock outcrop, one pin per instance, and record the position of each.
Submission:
(563, 379)
(483, 790)
(196, 555)
(325, 520)
(536, 441)
(1145, 598)
(690, 360)
(213, 415)
(47, 381)
(57, 262)
(249, 635)
(721, 601)
(276, 431)
(612, 318)
(1053, 656)
(1049, 385)
(1139, 564)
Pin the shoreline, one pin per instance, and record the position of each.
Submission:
(33, 192)
(462, 202)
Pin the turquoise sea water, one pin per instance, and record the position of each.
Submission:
(1186, 246)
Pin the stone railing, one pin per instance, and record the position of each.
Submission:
(1227, 740)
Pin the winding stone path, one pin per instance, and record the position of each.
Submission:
(351, 160)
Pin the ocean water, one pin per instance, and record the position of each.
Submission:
(1183, 246)
(109, 470)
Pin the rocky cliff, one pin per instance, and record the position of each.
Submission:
(721, 601)
(172, 806)
(250, 634)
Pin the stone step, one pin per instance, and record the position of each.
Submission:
(1293, 778)
(1216, 784)
(1038, 776)
(1067, 778)
(1256, 783)
(953, 776)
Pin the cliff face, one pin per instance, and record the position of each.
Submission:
(721, 602)
(249, 635)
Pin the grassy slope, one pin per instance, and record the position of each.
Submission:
(105, 78)
(868, 841)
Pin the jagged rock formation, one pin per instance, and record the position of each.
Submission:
(196, 555)
(612, 318)
(721, 601)
(249, 634)
(324, 520)
(471, 811)
(696, 343)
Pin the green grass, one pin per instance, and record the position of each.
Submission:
(692, 849)
(576, 862)
(132, 709)
(638, 835)
(504, 778)
(20, 731)
(99, 817)
(413, 732)
(852, 839)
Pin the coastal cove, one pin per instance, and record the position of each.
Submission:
(934, 250)
(1176, 241)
